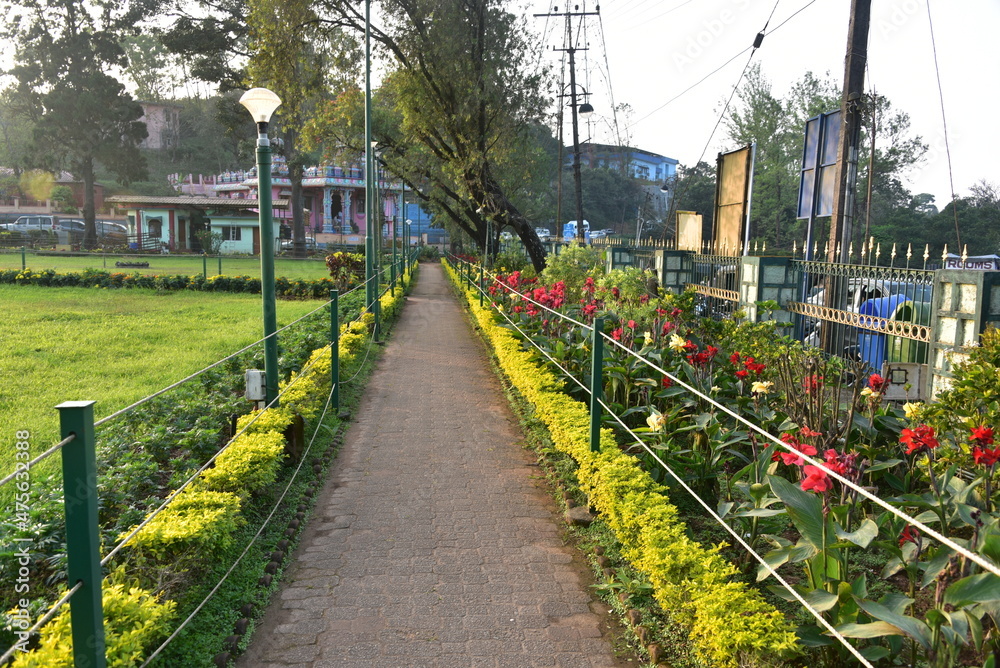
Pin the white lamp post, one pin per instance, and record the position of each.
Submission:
(261, 103)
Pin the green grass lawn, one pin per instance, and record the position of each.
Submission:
(111, 346)
(185, 265)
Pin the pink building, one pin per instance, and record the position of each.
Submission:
(334, 196)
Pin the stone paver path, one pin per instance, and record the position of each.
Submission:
(433, 543)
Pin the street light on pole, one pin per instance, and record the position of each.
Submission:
(261, 103)
(583, 111)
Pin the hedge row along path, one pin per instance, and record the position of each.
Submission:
(432, 542)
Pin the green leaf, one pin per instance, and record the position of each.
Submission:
(881, 466)
(937, 563)
(872, 630)
(821, 599)
(973, 589)
(804, 509)
(862, 536)
(914, 628)
(875, 652)
(811, 636)
(760, 512)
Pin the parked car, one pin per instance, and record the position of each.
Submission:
(543, 233)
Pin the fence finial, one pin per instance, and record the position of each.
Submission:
(927, 253)
(944, 255)
(892, 256)
(850, 252)
(763, 246)
(878, 252)
(826, 249)
(965, 254)
(795, 246)
(815, 248)
(836, 253)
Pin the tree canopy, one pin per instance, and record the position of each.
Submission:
(82, 115)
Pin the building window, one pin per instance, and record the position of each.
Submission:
(232, 233)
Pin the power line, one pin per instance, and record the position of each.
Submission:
(721, 67)
(944, 123)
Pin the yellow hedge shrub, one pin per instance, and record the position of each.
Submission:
(730, 624)
(197, 522)
(134, 620)
(249, 464)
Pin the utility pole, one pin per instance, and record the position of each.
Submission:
(842, 221)
(576, 111)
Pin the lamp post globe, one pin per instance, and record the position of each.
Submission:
(261, 103)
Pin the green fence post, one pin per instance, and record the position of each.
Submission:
(83, 538)
(335, 348)
(24, 258)
(482, 285)
(204, 264)
(596, 384)
(220, 265)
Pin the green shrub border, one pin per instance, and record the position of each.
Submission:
(98, 278)
(730, 624)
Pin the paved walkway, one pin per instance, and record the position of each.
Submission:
(433, 543)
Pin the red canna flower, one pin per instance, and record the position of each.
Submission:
(982, 436)
(816, 480)
(985, 457)
(806, 432)
(918, 439)
(909, 535)
(668, 327)
(742, 373)
(631, 324)
(812, 383)
(877, 382)
(616, 293)
(734, 359)
(666, 382)
(616, 334)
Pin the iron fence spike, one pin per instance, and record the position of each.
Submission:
(965, 254)
(944, 255)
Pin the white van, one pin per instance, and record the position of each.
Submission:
(569, 230)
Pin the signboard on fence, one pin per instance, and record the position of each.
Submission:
(689, 231)
(733, 172)
(973, 262)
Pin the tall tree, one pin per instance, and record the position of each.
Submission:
(299, 63)
(465, 93)
(83, 116)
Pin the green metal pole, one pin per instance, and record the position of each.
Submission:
(482, 285)
(267, 264)
(24, 259)
(393, 272)
(83, 536)
(370, 288)
(335, 348)
(596, 384)
(204, 264)
(220, 264)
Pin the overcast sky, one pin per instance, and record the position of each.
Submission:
(654, 49)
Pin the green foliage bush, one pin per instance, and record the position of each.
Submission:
(572, 266)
